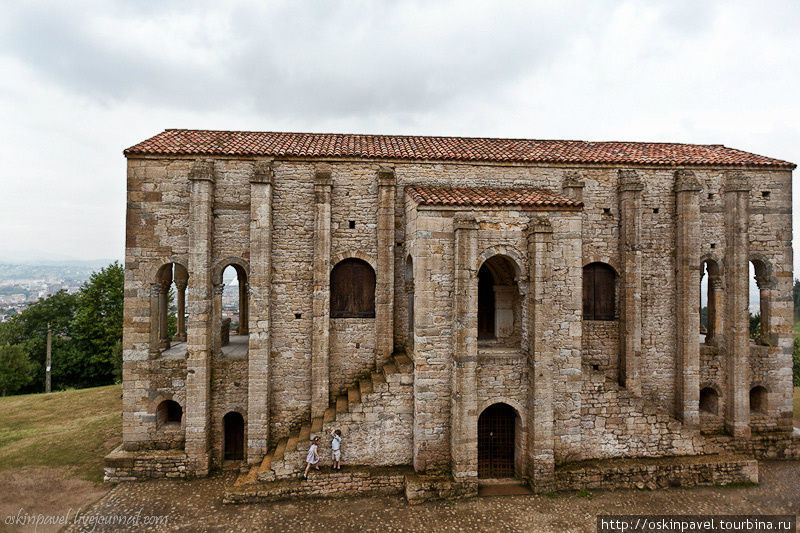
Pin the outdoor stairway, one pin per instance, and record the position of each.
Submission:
(383, 391)
(620, 423)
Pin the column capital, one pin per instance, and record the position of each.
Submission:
(322, 176)
(263, 172)
(572, 180)
(686, 181)
(716, 282)
(218, 289)
(202, 170)
(386, 177)
(181, 284)
(735, 181)
(629, 181)
(538, 226)
(464, 221)
(155, 289)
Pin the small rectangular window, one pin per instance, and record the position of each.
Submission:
(352, 224)
(298, 315)
(764, 194)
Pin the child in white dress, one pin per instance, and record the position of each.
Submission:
(313, 457)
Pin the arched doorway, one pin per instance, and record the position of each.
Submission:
(234, 436)
(499, 312)
(496, 441)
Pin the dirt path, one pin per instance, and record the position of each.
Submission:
(47, 491)
(197, 506)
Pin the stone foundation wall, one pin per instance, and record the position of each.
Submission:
(228, 393)
(771, 445)
(657, 473)
(136, 466)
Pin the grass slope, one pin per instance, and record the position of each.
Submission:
(74, 428)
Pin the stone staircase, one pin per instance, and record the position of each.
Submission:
(378, 409)
(617, 423)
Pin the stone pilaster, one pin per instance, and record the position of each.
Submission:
(155, 323)
(244, 307)
(320, 335)
(464, 408)
(384, 290)
(259, 294)
(630, 285)
(687, 278)
(737, 318)
(714, 336)
(163, 307)
(541, 457)
(199, 338)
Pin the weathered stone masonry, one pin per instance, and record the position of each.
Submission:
(468, 257)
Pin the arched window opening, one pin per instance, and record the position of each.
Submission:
(234, 311)
(352, 289)
(169, 412)
(760, 289)
(599, 292)
(233, 423)
(499, 309)
(710, 303)
(709, 401)
(758, 399)
(498, 432)
(410, 299)
(169, 308)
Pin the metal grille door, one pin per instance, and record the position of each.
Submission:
(496, 441)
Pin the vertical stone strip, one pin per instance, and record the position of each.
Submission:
(155, 321)
(737, 319)
(464, 407)
(687, 277)
(181, 282)
(259, 295)
(199, 339)
(384, 290)
(573, 186)
(541, 456)
(320, 336)
(630, 300)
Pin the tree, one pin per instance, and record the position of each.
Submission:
(796, 295)
(16, 369)
(97, 324)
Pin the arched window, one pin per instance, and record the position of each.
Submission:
(599, 281)
(352, 290)
(169, 412)
(758, 399)
(708, 400)
(168, 321)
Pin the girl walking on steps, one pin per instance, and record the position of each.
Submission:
(313, 457)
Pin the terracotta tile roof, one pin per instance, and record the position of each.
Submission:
(338, 145)
(488, 196)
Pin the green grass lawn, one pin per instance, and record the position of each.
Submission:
(72, 428)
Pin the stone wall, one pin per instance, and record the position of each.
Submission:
(352, 352)
(228, 394)
(600, 346)
(135, 466)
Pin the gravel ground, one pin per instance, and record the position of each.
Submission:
(197, 506)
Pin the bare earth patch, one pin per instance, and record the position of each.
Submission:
(44, 490)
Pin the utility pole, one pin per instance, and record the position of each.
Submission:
(47, 367)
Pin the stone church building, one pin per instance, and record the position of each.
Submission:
(461, 308)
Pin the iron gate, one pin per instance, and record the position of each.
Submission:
(496, 441)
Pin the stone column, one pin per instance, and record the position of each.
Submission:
(243, 308)
(259, 292)
(715, 324)
(216, 317)
(540, 450)
(766, 288)
(464, 406)
(199, 338)
(687, 278)
(181, 281)
(320, 344)
(737, 319)
(163, 308)
(155, 322)
(384, 289)
(630, 285)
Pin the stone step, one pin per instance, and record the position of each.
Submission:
(265, 464)
(330, 414)
(291, 442)
(353, 396)
(316, 424)
(305, 432)
(341, 404)
(390, 368)
(377, 380)
(277, 455)
(364, 386)
(403, 363)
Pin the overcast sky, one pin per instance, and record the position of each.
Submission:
(81, 81)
